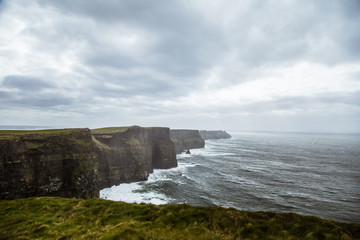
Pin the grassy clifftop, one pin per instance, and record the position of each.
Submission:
(58, 218)
(110, 130)
(9, 134)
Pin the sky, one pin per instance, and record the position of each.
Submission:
(246, 65)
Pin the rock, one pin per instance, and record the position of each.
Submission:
(129, 155)
(214, 135)
(186, 139)
(188, 151)
(48, 163)
(79, 162)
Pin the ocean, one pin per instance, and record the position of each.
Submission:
(309, 174)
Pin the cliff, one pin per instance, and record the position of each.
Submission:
(47, 163)
(79, 162)
(129, 154)
(214, 135)
(186, 139)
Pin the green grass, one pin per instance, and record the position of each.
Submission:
(100, 144)
(110, 130)
(16, 133)
(46, 131)
(58, 218)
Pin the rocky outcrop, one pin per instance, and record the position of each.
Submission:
(47, 163)
(214, 135)
(186, 139)
(79, 162)
(130, 154)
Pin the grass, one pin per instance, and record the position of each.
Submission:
(110, 130)
(6, 134)
(58, 218)
(134, 143)
(100, 144)
(46, 131)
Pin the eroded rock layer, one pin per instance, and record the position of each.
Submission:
(79, 162)
(47, 163)
(130, 154)
(186, 139)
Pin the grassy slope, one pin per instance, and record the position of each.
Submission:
(58, 218)
(46, 131)
(110, 130)
(12, 134)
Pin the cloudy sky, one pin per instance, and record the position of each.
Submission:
(282, 65)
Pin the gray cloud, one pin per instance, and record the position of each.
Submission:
(25, 91)
(185, 44)
(319, 103)
(29, 101)
(47, 101)
(135, 86)
(106, 58)
(273, 33)
(26, 83)
(137, 56)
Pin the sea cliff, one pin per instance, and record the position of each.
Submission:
(79, 162)
(214, 134)
(129, 154)
(186, 139)
(48, 163)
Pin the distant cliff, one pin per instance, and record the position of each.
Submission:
(79, 162)
(186, 139)
(214, 135)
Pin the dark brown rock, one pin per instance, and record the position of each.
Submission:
(77, 162)
(47, 163)
(186, 139)
(129, 155)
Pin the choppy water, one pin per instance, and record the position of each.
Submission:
(310, 174)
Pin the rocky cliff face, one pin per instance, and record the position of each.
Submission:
(78, 163)
(130, 154)
(47, 163)
(163, 155)
(186, 139)
(214, 135)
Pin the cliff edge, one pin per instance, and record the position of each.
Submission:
(206, 135)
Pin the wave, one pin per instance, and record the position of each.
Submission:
(141, 192)
(258, 173)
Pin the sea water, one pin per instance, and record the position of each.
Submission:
(309, 174)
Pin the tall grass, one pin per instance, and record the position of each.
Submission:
(58, 218)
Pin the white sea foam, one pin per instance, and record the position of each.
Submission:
(256, 173)
(210, 150)
(137, 192)
(132, 193)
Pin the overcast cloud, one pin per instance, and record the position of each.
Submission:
(233, 65)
